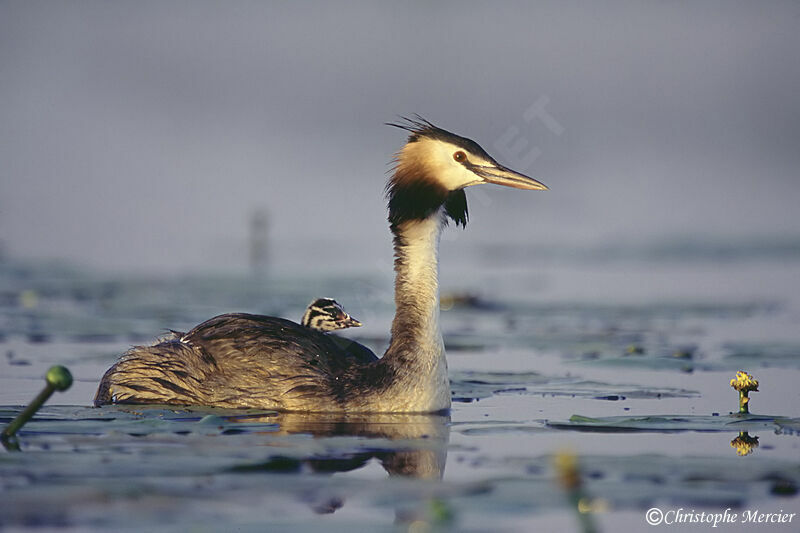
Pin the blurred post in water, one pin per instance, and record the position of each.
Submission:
(259, 228)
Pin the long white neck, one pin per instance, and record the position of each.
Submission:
(416, 351)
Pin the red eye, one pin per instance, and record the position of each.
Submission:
(460, 156)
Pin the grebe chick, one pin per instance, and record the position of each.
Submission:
(326, 314)
(241, 360)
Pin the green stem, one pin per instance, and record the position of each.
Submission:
(28, 412)
(58, 378)
(744, 401)
(11, 444)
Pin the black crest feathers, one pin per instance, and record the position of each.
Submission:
(417, 201)
(412, 194)
(414, 200)
(456, 208)
(419, 127)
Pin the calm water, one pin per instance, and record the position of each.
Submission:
(640, 344)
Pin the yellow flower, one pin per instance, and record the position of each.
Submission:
(744, 382)
(744, 444)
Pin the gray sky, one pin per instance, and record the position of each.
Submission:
(142, 135)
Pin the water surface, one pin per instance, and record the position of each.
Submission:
(623, 363)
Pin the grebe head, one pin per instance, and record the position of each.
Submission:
(326, 314)
(435, 166)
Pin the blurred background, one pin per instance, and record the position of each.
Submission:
(163, 162)
(177, 137)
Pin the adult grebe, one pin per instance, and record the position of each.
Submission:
(241, 360)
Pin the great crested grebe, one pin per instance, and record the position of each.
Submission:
(241, 360)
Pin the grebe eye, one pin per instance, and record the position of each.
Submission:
(460, 156)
